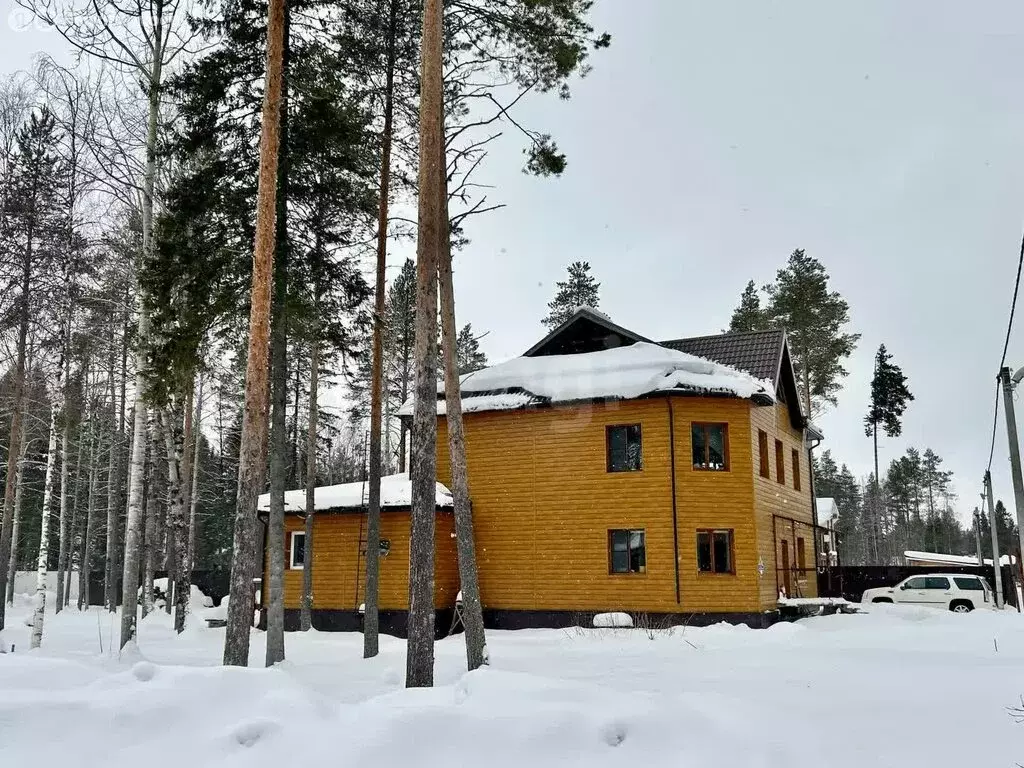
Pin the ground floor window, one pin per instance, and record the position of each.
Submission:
(298, 550)
(627, 551)
(714, 551)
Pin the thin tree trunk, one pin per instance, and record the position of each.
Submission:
(19, 493)
(193, 497)
(185, 469)
(44, 533)
(293, 464)
(17, 418)
(469, 580)
(74, 525)
(177, 517)
(306, 615)
(64, 526)
(423, 464)
(151, 535)
(88, 543)
(109, 588)
(371, 616)
(253, 444)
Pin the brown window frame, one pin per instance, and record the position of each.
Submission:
(608, 447)
(611, 559)
(780, 462)
(762, 449)
(796, 469)
(725, 446)
(710, 532)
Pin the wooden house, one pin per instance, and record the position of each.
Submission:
(608, 472)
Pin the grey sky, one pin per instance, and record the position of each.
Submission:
(713, 138)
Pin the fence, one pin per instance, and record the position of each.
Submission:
(850, 581)
(215, 584)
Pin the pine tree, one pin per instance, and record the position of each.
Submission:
(580, 289)
(470, 358)
(749, 315)
(815, 318)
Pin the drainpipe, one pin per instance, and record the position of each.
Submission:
(675, 515)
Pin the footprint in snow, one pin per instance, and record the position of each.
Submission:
(247, 734)
(613, 733)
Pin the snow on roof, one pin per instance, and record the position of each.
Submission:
(621, 373)
(939, 557)
(395, 493)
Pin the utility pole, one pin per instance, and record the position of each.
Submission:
(995, 540)
(977, 533)
(1011, 433)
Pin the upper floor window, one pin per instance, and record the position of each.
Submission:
(625, 448)
(780, 463)
(710, 446)
(627, 551)
(796, 469)
(762, 450)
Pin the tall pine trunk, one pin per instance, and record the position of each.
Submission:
(371, 617)
(469, 580)
(306, 614)
(39, 611)
(423, 464)
(274, 589)
(17, 419)
(19, 493)
(253, 444)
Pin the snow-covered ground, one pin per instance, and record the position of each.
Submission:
(897, 687)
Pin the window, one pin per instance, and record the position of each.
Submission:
(625, 452)
(968, 583)
(298, 550)
(714, 551)
(762, 449)
(710, 447)
(796, 469)
(915, 583)
(936, 582)
(780, 463)
(627, 552)
(801, 557)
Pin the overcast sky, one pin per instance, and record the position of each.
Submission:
(885, 138)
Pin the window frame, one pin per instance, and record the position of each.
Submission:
(608, 447)
(707, 443)
(611, 559)
(764, 458)
(292, 566)
(780, 462)
(796, 469)
(710, 532)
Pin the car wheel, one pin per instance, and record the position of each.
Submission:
(882, 600)
(961, 606)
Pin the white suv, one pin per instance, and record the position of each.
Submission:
(960, 593)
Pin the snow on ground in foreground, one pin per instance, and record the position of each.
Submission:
(897, 687)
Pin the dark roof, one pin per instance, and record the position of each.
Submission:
(759, 353)
(585, 331)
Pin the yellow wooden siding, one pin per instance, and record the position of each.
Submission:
(339, 573)
(782, 500)
(543, 503)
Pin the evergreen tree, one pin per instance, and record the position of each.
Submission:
(580, 289)
(749, 315)
(470, 358)
(889, 398)
(815, 319)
